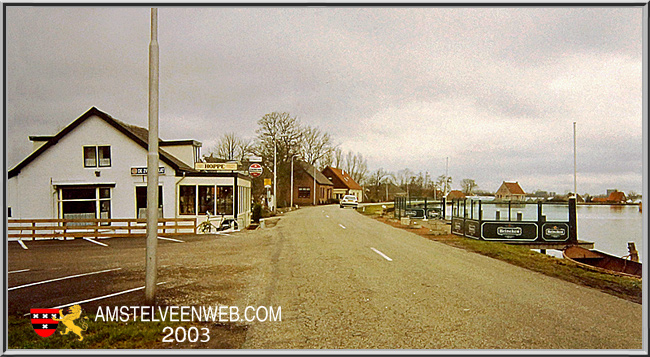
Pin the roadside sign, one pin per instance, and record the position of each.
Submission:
(267, 182)
(255, 159)
(255, 170)
(214, 166)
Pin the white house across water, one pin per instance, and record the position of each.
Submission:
(96, 168)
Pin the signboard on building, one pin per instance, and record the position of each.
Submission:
(143, 170)
(215, 166)
(255, 170)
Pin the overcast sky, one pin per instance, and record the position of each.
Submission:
(496, 90)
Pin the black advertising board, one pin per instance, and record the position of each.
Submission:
(472, 229)
(517, 231)
(457, 226)
(555, 231)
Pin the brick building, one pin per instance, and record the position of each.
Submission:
(306, 180)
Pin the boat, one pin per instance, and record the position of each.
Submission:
(601, 261)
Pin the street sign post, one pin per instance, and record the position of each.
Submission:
(255, 170)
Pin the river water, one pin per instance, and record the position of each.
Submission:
(609, 227)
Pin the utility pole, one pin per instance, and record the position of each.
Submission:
(152, 167)
(314, 185)
(575, 181)
(292, 156)
(275, 170)
(446, 176)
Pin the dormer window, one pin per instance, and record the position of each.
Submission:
(97, 156)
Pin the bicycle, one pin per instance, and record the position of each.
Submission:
(224, 224)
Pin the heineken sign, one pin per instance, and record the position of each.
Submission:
(555, 231)
(519, 231)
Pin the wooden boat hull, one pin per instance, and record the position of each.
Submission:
(602, 261)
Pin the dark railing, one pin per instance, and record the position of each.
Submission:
(419, 207)
(515, 221)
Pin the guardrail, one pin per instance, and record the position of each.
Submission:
(50, 228)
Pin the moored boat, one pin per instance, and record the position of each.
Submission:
(602, 261)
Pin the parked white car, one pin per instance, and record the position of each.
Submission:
(349, 201)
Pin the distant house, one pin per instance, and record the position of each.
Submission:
(306, 180)
(343, 183)
(616, 197)
(599, 199)
(455, 195)
(510, 191)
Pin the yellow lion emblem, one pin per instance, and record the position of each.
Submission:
(68, 321)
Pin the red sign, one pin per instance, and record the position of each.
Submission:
(255, 170)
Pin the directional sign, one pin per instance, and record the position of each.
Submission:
(255, 170)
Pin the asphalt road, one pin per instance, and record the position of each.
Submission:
(329, 271)
(337, 291)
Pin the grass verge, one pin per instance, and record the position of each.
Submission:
(628, 288)
(124, 335)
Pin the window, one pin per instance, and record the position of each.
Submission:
(224, 199)
(90, 158)
(206, 199)
(93, 154)
(141, 201)
(104, 156)
(84, 202)
(187, 200)
(304, 192)
(9, 212)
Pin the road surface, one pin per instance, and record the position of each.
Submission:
(346, 281)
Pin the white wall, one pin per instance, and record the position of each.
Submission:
(184, 153)
(31, 193)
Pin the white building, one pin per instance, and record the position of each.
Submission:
(96, 168)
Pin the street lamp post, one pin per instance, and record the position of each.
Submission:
(275, 172)
(292, 157)
(152, 167)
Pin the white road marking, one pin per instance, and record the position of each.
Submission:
(18, 271)
(342, 226)
(63, 278)
(94, 241)
(172, 239)
(20, 241)
(382, 254)
(103, 297)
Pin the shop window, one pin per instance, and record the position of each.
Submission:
(97, 156)
(141, 201)
(85, 203)
(206, 199)
(224, 200)
(187, 200)
(304, 192)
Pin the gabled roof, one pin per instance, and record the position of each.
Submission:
(617, 196)
(454, 194)
(345, 178)
(513, 188)
(310, 170)
(135, 133)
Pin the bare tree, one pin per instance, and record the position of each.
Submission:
(468, 186)
(356, 166)
(316, 146)
(231, 147)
